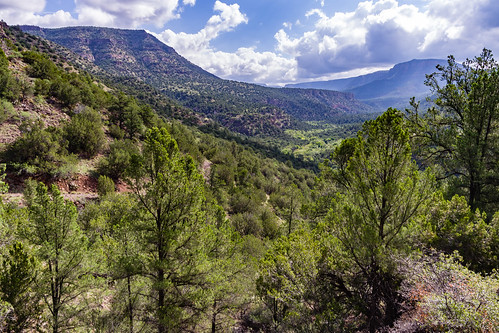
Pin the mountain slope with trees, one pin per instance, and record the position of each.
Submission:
(243, 107)
(193, 233)
(383, 89)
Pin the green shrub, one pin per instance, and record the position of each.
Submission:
(269, 224)
(118, 160)
(40, 65)
(65, 92)
(105, 185)
(84, 133)
(37, 148)
(42, 87)
(116, 132)
(6, 110)
(247, 224)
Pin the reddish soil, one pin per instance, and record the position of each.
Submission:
(80, 189)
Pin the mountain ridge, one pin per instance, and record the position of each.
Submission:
(393, 87)
(243, 107)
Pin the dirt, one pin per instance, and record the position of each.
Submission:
(206, 169)
(80, 189)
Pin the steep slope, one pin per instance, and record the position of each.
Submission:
(246, 108)
(384, 88)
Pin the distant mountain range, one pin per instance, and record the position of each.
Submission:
(134, 56)
(383, 89)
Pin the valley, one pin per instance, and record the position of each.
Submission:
(140, 193)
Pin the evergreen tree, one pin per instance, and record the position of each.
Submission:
(17, 281)
(460, 134)
(170, 193)
(380, 197)
(61, 248)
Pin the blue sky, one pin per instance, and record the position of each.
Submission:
(283, 41)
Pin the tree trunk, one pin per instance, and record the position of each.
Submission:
(214, 318)
(130, 305)
(161, 302)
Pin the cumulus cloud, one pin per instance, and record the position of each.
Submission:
(386, 32)
(130, 13)
(110, 13)
(31, 12)
(25, 5)
(245, 64)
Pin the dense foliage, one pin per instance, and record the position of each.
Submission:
(196, 232)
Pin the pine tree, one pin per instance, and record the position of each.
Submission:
(380, 197)
(61, 248)
(170, 193)
(460, 134)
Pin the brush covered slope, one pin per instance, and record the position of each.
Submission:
(384, 89)
(192, 233)
(246, 108)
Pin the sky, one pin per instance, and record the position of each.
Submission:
(276, 42)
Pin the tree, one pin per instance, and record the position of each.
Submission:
(61, 248)
(287, 281)
(380, 196)
(17, 281)
(455, 227)
(460, 133)
(287, 203)
(119, 158)
(171, 196)
(122, 246)
(229, 276)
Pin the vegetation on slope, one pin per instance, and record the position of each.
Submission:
(205, 234)
(242, 107)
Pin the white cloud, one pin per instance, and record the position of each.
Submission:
(57, 19)
(229, 18)
(386, 32)
(110, 13)
(24, 5)
(129, 13)
(245, 64)
(30, 12)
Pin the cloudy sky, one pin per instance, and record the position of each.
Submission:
(283, 41)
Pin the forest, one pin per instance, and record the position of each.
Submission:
(192, 230)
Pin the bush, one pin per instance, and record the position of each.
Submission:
(247, 224)
(65, 92)
(6, 110)
(118, 160)
(42, 87)
(84, 133)
(37, 148)
(116, 132)
(105, 185)
(448, 297)
(40, 66)
(269, 223)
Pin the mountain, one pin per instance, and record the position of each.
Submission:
(135, 55)
(383, 89)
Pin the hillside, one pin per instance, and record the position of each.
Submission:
(114, 218)
(247, 108)
(383, 89)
